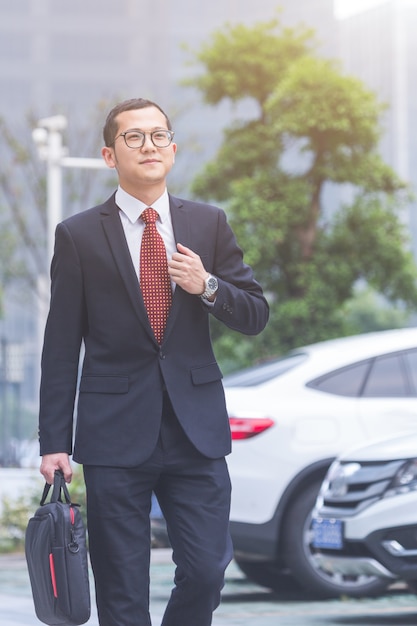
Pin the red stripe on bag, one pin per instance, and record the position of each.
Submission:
(53, 577)
(72, 516)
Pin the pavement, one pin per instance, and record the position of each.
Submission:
(243, 602)
(16, 604)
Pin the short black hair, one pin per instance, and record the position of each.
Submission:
(111, 126)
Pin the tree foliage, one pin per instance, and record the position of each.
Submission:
(231, 61)
(22, 210)
(313, 204)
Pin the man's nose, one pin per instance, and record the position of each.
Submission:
(148, 143)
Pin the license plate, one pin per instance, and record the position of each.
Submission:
(327, 533)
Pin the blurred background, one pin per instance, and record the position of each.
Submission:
(77, 59)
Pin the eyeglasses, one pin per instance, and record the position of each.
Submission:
(136, 138)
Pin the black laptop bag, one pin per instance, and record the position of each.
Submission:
(56, 556)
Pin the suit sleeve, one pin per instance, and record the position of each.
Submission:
(61, 349)
(240, 303)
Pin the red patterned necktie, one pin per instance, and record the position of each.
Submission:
(155, 282)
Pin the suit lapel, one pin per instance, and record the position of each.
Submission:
(181, 227)
(180, 221)
(115, 236)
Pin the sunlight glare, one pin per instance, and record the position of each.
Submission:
(345, 8)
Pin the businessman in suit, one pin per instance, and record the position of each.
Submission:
(151, 412)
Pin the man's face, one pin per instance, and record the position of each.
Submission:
(140, 169)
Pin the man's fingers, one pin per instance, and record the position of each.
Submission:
(184, 250)
(52, 462)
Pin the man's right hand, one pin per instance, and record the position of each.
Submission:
(52, 462)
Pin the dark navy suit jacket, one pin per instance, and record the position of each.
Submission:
(96, 299)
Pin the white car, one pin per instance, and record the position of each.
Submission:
(290, 418)
(365, 520)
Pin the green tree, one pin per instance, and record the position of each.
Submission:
(22, 188)
(316, 131)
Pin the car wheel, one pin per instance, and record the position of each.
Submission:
(268, 574)
(300, 555)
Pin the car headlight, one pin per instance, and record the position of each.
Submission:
(405, 480)
(336, 482)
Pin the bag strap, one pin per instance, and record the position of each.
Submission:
(60, 487)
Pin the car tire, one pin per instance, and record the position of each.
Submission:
(268, 574)
(299, 555)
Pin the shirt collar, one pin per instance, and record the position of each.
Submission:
(132, 207)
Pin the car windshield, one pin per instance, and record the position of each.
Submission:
(259, 374)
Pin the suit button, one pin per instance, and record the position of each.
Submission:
(161, 355)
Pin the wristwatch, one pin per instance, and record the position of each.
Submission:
(211, 286)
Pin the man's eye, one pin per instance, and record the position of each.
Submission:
(134, 137)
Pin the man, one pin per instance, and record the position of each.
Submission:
(151, 414)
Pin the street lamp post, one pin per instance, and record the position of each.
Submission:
(48, 139)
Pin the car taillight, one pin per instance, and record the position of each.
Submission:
(247, 427)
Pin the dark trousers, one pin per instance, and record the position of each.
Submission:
(194, 495)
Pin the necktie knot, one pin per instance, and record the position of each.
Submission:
(149, 215)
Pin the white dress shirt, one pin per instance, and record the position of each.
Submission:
(130, 210)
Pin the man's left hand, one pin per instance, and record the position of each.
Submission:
(186, 270)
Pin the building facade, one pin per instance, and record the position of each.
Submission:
(378, 45)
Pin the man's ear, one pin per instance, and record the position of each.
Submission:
(108, 156)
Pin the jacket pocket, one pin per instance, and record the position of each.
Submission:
(206, 374)
(104, 384)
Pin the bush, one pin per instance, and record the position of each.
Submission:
(15, 512)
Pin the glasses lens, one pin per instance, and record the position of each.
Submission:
(161, 138)
(134, 139)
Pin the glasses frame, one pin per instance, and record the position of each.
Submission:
(170, 134)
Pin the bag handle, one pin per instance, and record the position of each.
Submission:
(59, 486)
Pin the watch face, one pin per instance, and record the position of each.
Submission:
(212, 283)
